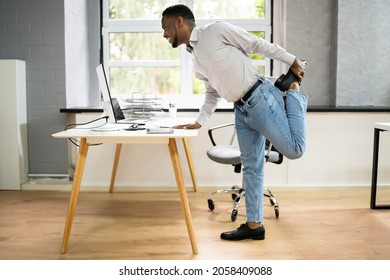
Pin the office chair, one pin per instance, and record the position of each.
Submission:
(230, 154)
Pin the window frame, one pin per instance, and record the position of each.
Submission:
(186, 99)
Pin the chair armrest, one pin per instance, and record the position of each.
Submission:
(211, 129)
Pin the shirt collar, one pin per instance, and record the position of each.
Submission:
(189, 48)
(193, 39)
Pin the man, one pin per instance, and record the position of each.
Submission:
(220, 59)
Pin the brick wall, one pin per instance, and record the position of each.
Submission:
(59, 40)
(34, 31)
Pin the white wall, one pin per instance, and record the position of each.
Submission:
(339, 153)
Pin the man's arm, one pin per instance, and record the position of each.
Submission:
(251, 44)
(210, 104)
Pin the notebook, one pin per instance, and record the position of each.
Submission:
(111, 105)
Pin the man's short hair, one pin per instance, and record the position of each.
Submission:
(179, 10)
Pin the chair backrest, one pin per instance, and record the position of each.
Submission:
(229, 153)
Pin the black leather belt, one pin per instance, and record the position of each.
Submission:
(248, 94)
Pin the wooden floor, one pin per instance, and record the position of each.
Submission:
(314, 224)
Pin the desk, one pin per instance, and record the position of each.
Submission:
(88, 136)
(378, 127)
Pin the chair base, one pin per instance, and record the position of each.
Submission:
(237, 194)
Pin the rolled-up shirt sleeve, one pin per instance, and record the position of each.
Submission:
(251, 44)
(211, 101)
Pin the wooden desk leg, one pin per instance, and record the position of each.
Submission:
(115, 166)
(182, 192)
(81, 158)
(190, 164)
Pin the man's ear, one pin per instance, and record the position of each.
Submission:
(180, 21)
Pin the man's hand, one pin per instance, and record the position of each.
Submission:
(194, 125)
(298, 68)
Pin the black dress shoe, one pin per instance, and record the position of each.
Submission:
(244, 232)
(284, 81)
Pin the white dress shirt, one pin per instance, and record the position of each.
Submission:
(220, 59)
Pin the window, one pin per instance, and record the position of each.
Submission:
(138, 59)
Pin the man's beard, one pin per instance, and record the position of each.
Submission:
(175, 42)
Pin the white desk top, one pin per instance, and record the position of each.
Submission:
(115, 133)
(384, 126)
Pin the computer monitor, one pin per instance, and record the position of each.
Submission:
(111, 105)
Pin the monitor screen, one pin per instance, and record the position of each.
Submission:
(118, 113)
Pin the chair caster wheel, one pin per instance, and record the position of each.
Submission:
(234, 195)
(277, 213)
(234, 215)
(210, 202)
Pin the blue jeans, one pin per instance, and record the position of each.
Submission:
(264, 116)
